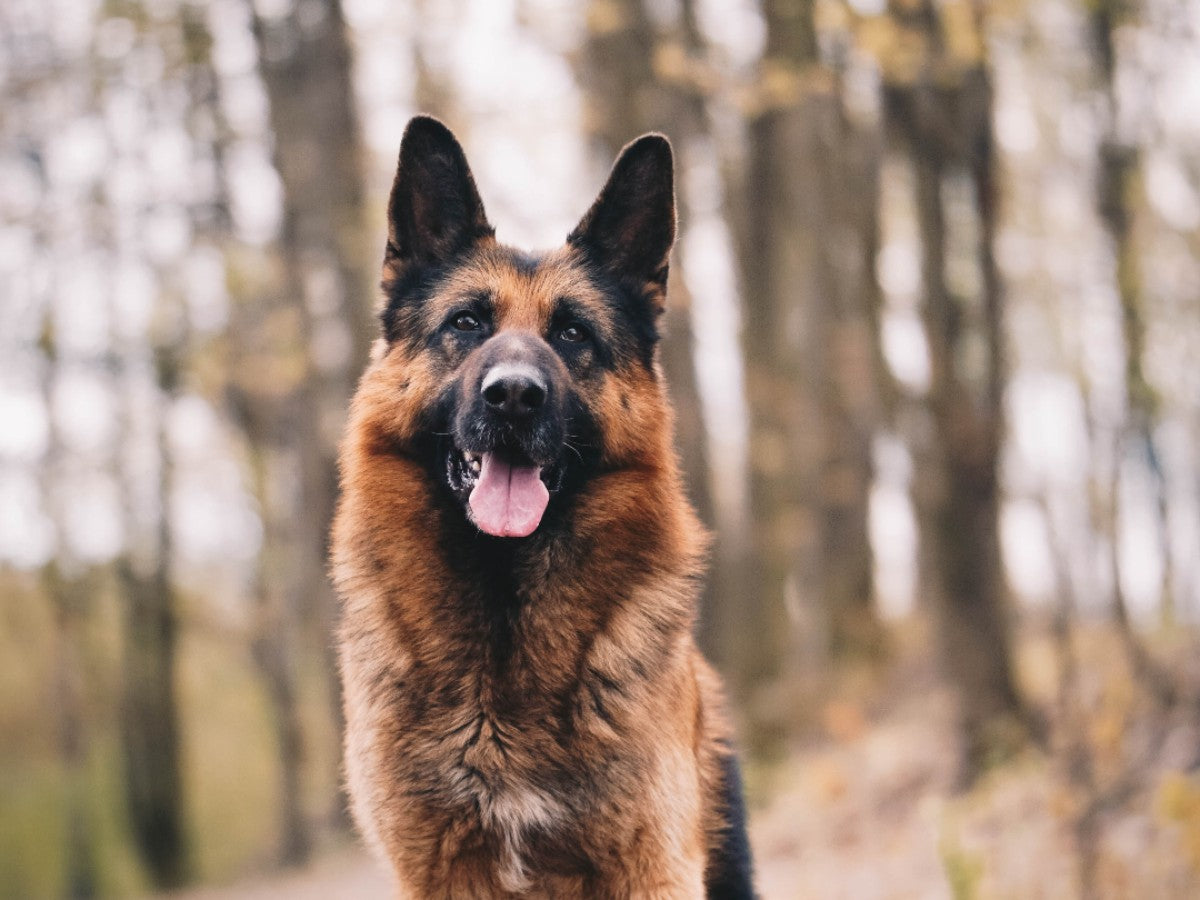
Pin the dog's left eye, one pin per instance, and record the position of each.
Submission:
(466, 322)
(573, 334)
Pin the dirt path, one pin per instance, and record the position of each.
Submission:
(346, 875)
(353, 875)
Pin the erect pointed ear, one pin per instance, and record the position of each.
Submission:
(434, 211)
(630, 228)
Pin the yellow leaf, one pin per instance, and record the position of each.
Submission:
(844, 721)
(605, 17)
(961, 31)
(1178, 802)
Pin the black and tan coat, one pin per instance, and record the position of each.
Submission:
(528, 716)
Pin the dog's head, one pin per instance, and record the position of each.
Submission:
(519, 377)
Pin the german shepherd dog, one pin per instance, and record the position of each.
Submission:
(527, 712)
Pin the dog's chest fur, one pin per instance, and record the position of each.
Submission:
(501, 774)
(476, 744)
(513, 736)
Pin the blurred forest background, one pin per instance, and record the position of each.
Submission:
(934, 342)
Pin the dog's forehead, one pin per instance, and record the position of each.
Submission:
(526, 289)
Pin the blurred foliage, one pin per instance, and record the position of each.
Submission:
(232, 763)
(963, 870)
(1178, 802)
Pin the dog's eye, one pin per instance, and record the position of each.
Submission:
(573, 334)
(466, 322)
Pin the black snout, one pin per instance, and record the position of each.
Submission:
(515, 391)
(512, 397)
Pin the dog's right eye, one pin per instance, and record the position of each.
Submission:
(466, 322)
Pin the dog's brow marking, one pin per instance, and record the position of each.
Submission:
(522, 307)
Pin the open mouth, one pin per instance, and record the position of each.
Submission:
(506, 492)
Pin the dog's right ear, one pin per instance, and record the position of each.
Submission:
(630, 228)
(434, 212)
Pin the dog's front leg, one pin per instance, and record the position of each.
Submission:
(682, 885)
(652, 876)
(665, 859)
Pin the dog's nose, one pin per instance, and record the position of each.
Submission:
(516, 391)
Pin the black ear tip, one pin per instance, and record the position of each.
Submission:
(653, 147)
(423, 123)
(655, 141)
(424, 131)
(648, 158)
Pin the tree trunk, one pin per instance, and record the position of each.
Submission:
(852, 393)
(1117, 181)
(945, 126)
(69, 593)
(149, 711)
(305, 63)
(70, 596)
(149, 717)
(276, 645)
(807, 269)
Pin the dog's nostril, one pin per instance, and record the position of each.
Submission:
(532, 397)
(496, 394)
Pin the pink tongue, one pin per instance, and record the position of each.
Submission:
(508, 500)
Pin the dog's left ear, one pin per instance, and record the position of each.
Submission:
(434, 212)
(630, 228)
